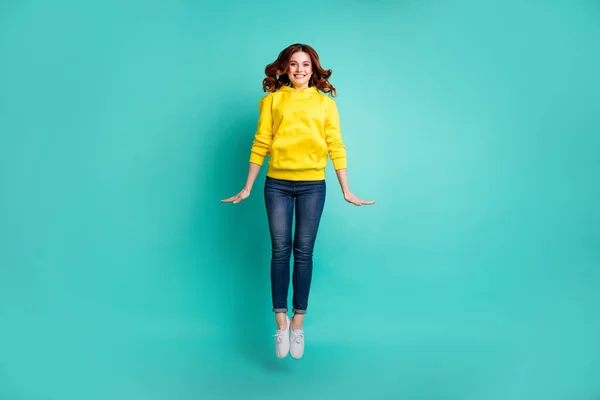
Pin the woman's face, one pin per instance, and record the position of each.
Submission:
(300, 70)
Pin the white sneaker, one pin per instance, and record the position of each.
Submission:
(297, 343)
(282, 340)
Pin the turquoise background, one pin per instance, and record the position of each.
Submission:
(474, 125)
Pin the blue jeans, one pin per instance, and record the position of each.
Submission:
(308, 199)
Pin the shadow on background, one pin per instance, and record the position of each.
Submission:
(242, 239)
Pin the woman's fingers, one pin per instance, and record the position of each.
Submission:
(232, 199)
(237, 198)
(359, 202)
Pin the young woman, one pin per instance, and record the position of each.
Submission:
(298, 128)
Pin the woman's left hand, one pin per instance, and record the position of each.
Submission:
(350, 198)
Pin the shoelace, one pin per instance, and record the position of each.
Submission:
(279, 335)
(297, 336)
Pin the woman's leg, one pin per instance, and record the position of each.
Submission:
(310, 202)
(279, 203)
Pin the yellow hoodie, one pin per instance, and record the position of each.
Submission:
(298, 129)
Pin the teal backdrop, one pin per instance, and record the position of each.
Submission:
(474, 125)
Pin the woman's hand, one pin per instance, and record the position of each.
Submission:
(238, 197)
(350, 198)
(253, 170)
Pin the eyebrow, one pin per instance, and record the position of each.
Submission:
(308, 61)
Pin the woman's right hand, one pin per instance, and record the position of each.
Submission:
(238, 197)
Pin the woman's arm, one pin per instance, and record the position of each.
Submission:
(337, 153)
(260, 148)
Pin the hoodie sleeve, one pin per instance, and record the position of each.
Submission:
(333, 137)
(263, 137)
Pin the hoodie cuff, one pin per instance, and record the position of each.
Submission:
(339, 163)
(256, 159)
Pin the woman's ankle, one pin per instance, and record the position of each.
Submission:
(297, 321)
(281, 320)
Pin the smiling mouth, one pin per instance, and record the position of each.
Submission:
(299, 76)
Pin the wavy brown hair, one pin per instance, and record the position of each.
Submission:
(276, 72)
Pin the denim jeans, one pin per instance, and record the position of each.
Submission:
(308, 200)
